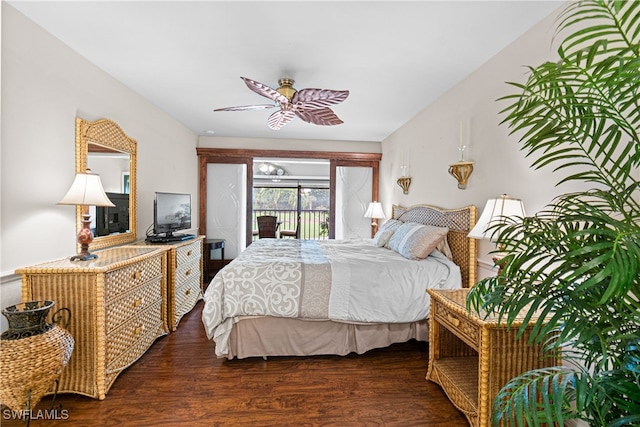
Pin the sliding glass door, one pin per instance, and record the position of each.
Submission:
(349, 182)
(302, 209)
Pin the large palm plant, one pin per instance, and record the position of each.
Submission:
(578, 261)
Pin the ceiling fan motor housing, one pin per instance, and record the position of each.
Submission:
(286, 88)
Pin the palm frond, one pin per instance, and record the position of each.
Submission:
(573, 269)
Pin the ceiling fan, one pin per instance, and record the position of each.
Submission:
(311, 105)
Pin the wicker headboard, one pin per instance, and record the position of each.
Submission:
(459, 222)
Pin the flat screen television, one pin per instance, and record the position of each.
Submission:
(171, 212)
(110, 220)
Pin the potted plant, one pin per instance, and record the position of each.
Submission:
(577, 262)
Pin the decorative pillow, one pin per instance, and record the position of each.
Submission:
(385, 232)
(416, 241)
(444, 247)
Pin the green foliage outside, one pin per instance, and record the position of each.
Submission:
(282, 202)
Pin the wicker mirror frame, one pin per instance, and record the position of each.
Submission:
(108, 134)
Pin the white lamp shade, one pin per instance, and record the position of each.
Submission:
(374, 210)
(494, 212)
(86, 190)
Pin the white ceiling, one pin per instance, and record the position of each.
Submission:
(187, 57)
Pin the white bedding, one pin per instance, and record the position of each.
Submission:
(342, 280)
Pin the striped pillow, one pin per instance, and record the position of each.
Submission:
(416, 241)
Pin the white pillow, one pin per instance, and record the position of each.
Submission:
(385, 232)
(416, 241)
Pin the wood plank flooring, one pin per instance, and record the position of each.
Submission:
(179, 382)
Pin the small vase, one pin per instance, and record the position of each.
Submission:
(33, 354)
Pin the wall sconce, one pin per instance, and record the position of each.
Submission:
(404, 181)
(461, 171)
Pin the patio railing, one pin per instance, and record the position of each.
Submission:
(314, 224)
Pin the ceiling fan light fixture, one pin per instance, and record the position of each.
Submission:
(286, 88)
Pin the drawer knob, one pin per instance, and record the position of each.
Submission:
(138, 330)
(187, 273)
(188, 292)
(189, 253)
(137, 303)
(453, 320)
(137, 275)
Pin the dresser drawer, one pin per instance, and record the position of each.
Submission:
(123, 279)
(189, 253)
(186, 296)
(127, 342)
(186, 272)
(120, 309)
(460, 325)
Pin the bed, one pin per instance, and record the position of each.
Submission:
(287, 297)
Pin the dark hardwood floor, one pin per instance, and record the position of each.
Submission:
(179, 381)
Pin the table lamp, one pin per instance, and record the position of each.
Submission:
(495, 212)
(375, 212)
(86, 191)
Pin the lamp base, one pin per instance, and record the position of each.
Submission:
(374, 228)
(85, 237)
(80, 257)
(498, 262)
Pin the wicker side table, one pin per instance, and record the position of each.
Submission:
(472, 358)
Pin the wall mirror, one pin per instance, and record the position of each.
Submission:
(103, 147)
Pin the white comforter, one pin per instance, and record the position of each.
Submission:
(342, 280)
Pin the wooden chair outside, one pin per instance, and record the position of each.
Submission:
(267, 226)
(291, 233)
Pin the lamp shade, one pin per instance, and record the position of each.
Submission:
(86, 190)
(374, 210)
(494, 212)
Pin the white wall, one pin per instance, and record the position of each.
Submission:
(430, 141)
(45, 85)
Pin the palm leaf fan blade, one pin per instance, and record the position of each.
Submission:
(280, 118)
(319, 116)
(247, 107)
(264, 90)
(311, 99)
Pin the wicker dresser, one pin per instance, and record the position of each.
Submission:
(184, 276)
(117, 303)
(473, 358)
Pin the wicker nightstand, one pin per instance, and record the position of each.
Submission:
(473, 358)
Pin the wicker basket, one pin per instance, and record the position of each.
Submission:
(30, 366)
(30, 363)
